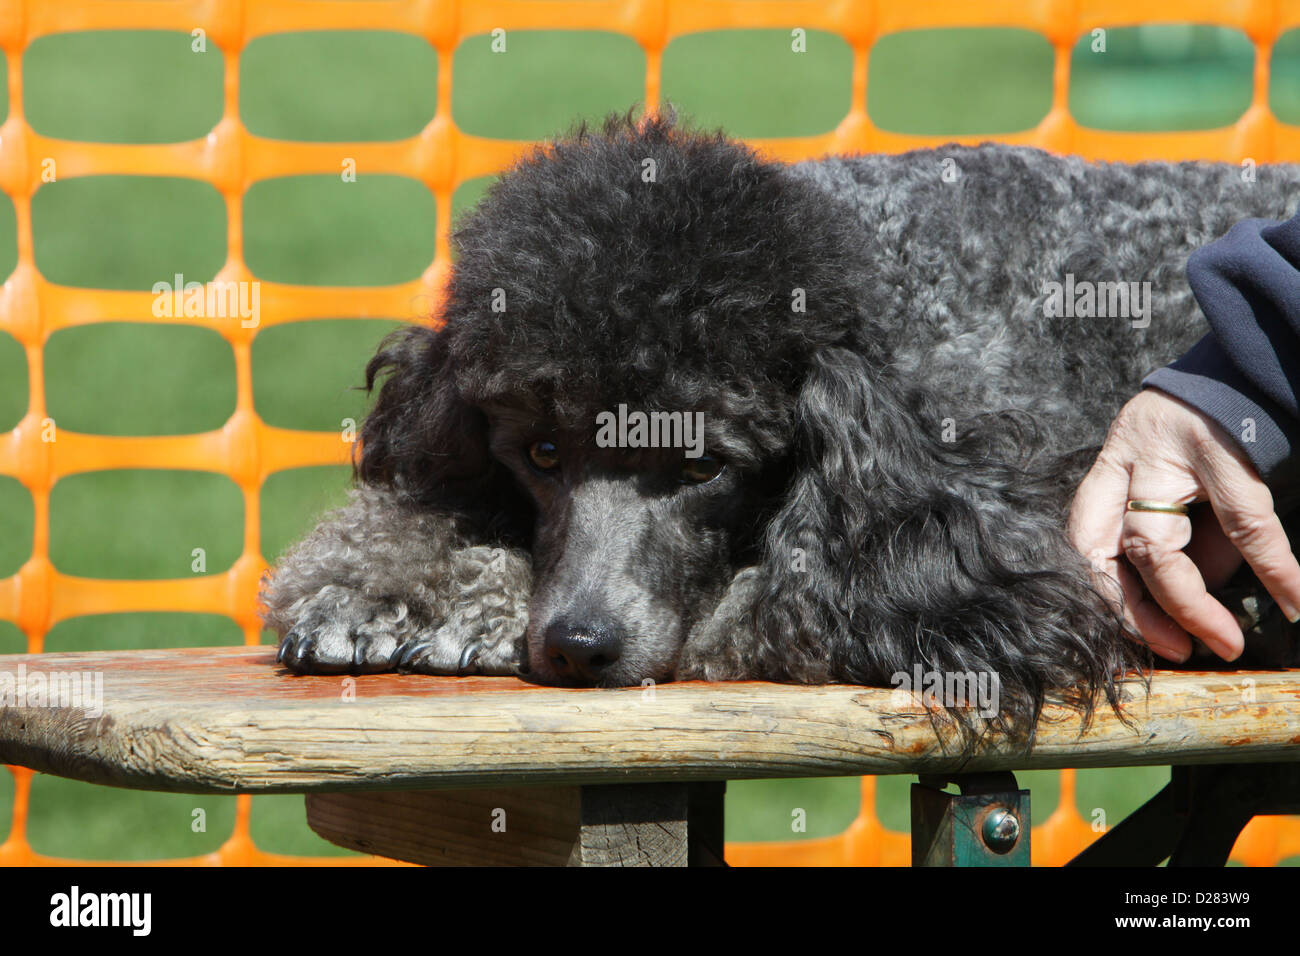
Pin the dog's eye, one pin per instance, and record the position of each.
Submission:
(544, 456)
(697, 471)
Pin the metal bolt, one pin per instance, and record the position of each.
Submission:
(1001, 830)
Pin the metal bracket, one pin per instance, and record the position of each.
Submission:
(986, 824)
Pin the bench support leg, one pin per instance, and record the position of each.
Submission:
(1196, 819)
(650, 824)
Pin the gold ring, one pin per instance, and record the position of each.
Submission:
(1159, 507)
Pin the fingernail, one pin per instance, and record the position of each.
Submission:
(1292, 616)
(1170, 653)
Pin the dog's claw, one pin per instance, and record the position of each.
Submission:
(395, 657)
(411, 655)
(359, 653)
(290, 649)
(406, 653)
(302, 649)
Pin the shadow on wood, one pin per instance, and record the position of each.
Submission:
(662, 824)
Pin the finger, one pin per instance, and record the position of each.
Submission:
(1153, 544)
(1211, 551)
(1097, 512)
(1095, 528)
(1244, 507)
(1162, 634)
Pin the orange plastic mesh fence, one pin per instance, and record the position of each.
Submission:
(441, 156)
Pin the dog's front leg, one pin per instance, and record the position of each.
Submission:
(722, 646)
(381, 585)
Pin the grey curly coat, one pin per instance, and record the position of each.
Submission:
(894, 414)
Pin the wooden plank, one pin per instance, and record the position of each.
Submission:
(229, 720)
(518, 826)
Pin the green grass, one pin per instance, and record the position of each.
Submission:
(777, 85)
(127, 232)
(956, 82)
(321, 230)
(93, 381)
(379, 85)
(17, 519)
(142, 631)
(121, 86)
(114, 524)
(12, 640)
(126, 378)
(542, 81)
(307, 374)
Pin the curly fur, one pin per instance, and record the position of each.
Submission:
(899, 452)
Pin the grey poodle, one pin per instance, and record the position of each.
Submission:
(897, 400)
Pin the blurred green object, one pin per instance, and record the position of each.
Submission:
(531, 84)
(121, 86)
(379, 85)
(1284, 78)
(308, 375)
(776, 84)
(139, 378)
(1167, 76)
(951, 82)
(17, 522)
(125, 232)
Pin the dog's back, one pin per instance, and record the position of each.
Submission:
(1013, 278)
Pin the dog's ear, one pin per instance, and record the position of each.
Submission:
(898, 544)
(422, 439)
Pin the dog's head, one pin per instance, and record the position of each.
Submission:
(619, 291)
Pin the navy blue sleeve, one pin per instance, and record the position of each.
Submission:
(1244, 374)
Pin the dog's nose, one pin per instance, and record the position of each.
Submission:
(583, 651)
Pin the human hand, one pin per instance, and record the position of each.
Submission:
(1161, 449)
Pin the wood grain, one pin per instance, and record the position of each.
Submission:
(229, 720)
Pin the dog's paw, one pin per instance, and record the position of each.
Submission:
(466, 644)
(342, 632)
(437, 653)
(338, 632)
(717, 648)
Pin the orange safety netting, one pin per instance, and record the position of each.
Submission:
(441, 156)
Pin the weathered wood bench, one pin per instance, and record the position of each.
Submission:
(493, 770)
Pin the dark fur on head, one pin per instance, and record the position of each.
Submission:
(849, 537)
